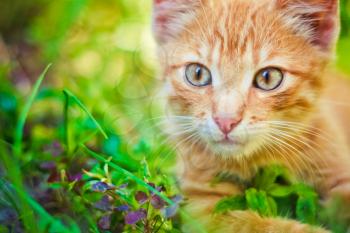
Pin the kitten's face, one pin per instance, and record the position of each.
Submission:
(237, 71)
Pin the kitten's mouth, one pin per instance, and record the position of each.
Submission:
(229, 142)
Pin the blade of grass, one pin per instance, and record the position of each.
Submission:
(13, 172)
(83, 107)
(24, 113)
(66, 120)
(55, 224)
(12, 202)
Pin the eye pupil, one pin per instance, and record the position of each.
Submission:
(266, 75)
(198, 73)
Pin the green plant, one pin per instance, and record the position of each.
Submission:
(275, 192)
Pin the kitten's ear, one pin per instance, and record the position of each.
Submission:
(320, 18)
(170, 17)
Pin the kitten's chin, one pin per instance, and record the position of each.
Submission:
(227, 148)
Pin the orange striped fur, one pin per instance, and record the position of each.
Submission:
(301, 124)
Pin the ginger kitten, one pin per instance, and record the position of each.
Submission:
(249, 84)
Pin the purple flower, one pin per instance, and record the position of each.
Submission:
(101, 187)
(122, 208)
(170, 211)
(141, 197)
(123, 186)
(177, 199)
(76, 177)
(49, 165)
(55, 148)
(103, 204)
(135, 216)
(105, 222)
(157, 202)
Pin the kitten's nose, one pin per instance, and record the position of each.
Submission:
(227, 124)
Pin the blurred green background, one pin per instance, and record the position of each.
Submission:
(101, 50)
(104, 53)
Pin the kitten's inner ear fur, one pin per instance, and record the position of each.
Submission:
(318, 20)
(171, 16)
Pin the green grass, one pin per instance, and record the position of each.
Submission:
(29, 211)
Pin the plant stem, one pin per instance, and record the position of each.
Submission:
(66, 121)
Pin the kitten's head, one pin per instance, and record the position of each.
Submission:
(240, 72)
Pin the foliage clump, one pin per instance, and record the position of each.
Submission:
(274, 192)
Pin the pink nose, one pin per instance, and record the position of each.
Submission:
(227, 124)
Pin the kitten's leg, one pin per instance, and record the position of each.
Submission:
(334, 186)
(338, 202)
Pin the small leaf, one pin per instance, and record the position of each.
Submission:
(306, 209)
(135, 216)
(276, 190)
(273, 207)
(231, 203)
(157, 202)
(141, 197)
(257, 200)
(304, 190)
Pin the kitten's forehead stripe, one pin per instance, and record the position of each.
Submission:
(215, 65)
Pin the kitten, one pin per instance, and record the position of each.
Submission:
(249, 84)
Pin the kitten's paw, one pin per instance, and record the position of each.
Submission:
(292, 226)
(308, 229)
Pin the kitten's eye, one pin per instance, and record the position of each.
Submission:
(198, 75)
(268, 79)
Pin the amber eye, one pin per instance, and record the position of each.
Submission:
(198, 75)
(268, 79)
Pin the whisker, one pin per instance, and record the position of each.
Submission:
(304, 155)
(285, 146)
